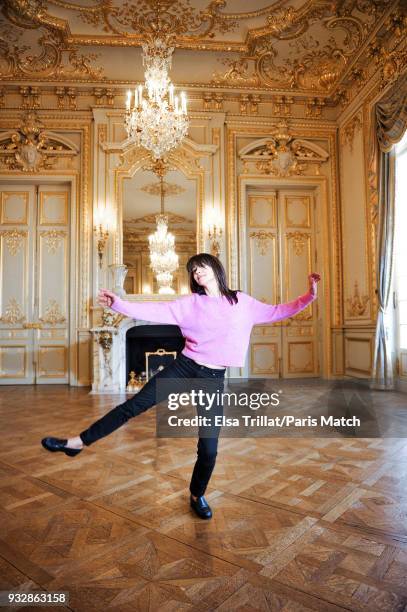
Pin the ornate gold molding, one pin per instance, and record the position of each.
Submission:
(30, 148)
(53, 240)
(262, 240)
(53, 314)
(14, 240)
(110, 319)
(57, 58)
(277, 47)
(299, 241)
(13, 313)
(282, 154)
(357, 304)
(170, 189)
(347, 133)
(172, 218)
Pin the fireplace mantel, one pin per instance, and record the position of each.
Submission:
(109, 356)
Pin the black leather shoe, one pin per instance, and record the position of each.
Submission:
(56, 444)
(201, 507)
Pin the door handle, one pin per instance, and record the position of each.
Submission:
(32, 325)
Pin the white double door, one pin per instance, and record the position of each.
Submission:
(34, 283)
(281, 239)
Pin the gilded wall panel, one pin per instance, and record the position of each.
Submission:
(14, 207)
(14, 264)
(297, 211)
(354, 222)
(358, 355)
(264, 358)
(262, 211)
(263, 262)
(301, 358)
(52, 361)
(13, 361)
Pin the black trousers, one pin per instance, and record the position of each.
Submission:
(186, 374)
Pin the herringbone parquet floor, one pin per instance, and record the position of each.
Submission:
(299, 524)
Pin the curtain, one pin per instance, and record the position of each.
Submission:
(391, 115)
(391, 123)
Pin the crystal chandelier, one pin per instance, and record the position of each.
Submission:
(159, 121)
(163, 259)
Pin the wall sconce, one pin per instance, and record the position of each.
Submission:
(214, 234)
(101, 230)
(213, 224)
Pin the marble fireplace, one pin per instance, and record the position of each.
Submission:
(119, 346)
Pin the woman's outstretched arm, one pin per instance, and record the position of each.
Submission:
(171, 312)
(270, 313)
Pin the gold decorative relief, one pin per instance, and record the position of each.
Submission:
(314, 48)
(103, 96)
(53, 240)
(110, 319)
(282, 154)
(13, 313)
(175, 17)
(283, 105)
(391, 62)
(314, 107)
(53, 313)
(66, 97)
(299, 240)
(57, 58)
(30, 148)
(347, 133)
(170, 189)
(309, 61)
(238, 73)
(172, 218)
(357, 304)
(262, 240)
(14, 240)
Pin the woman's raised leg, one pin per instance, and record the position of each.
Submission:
(150, 395)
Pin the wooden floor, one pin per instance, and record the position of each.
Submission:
(299, 524)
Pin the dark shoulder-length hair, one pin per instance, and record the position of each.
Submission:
(205, 259)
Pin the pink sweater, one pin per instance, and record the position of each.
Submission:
(215, 331)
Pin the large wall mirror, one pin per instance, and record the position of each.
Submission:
(141, 202)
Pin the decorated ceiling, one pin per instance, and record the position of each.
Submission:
(316, 47)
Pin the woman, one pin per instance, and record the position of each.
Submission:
(216, 322)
